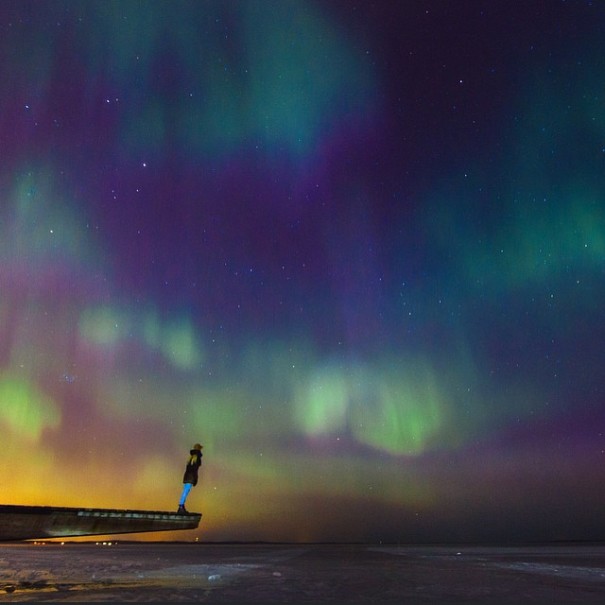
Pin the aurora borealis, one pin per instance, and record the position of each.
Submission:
(356, 249)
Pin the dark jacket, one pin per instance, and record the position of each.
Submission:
(193, 464)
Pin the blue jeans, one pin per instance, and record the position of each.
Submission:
(186, 489)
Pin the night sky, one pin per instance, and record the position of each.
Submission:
(356, 249)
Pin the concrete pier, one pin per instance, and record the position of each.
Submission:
(37, 522)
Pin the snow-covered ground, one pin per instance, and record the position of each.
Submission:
(300, 573)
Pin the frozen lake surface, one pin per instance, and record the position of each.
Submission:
(301, 573)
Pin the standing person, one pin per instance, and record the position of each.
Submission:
(191, 475)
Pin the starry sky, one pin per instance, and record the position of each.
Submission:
(356, 249)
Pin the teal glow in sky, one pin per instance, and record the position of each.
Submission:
(354, 249)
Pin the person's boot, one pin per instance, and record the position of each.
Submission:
(182, 510)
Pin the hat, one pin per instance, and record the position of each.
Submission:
(197, 446)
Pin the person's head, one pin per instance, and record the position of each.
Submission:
(198, 447)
